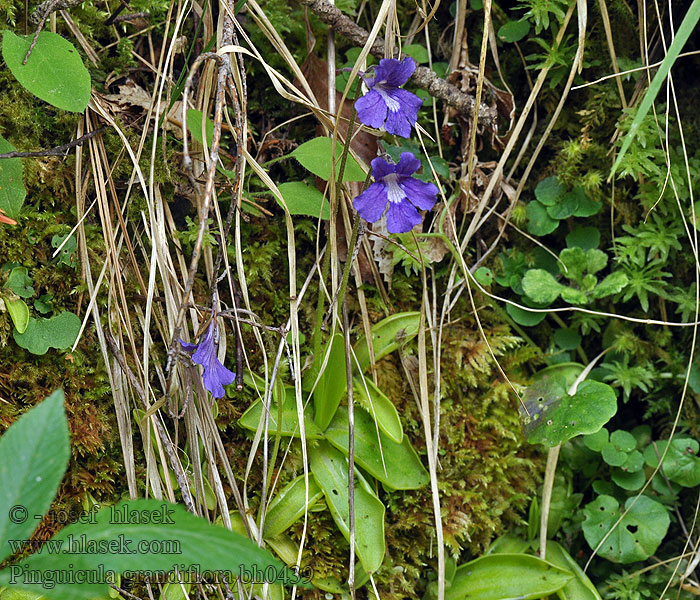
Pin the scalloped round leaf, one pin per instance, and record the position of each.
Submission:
(586, 206)
(583, 237)
(538, 221)
(484, 276)
(540, 286)
(549, 190)
(596, 441)
(54, 72)
(681, 464)
(567, 338)
(20, 282)
(58, 332)
(628, 480)
(564, 207)
(613, 456)
(612, 284)
(302, 199)
(514, 31)
(623, 440)
(593, 405)
(635, 538)
(12, 190)
(525, 317)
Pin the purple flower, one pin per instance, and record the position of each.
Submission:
(385, 104)
(394, 184)
(215, 374)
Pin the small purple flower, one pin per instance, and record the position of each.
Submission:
(394, 184)
(205, 353)
(385, 104)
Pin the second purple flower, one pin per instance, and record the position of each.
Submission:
(394, 185)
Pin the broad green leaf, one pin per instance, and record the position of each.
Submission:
(540, 286)
(596, 441)
(580, 587)
(573, 263)
(379, 406)
(514, 31)
(583, 237)
(596, 260)
(19, 313)
(549, 191)
(12, 190)
(315, 156)
(387, 335)
(34, 454)
(68, 253)
(290, 422)
(506, 577)
(333, 384)
(302, 199)
(194, 124)
(58, 332)
(564, 207)
(416, 52)
(54, 72)
(681, 464)
(484, 276)
(538, 221)
(13, 593)
(612, 284)
(573, 296)
(566, 373)
(508, 544)
(613, 456)
(555, 420)
(330, 470)
(525, 317)
(687, 27)
(638, 534)
(586, 206)
(567, 338)
(628, 480)
(20, 282)
(404, 470)
(172, 536)
(623, 440)
(288, 505)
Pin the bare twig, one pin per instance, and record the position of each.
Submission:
(423, 77)
(58, 150)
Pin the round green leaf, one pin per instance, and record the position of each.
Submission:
(567, 338)
(593, 405)
(634, 463)
(586, 206)
(12, 190)
(628, 480)
(58, 332)
(549, 191)
(583, 237)
(539, 222)
(525, 317)
(638, 534)
(302, 199)
(623, 440)
(613, 456)
(20, 282)
(564, 207)
(540, 286)
(681, 464)
(315, 156)
(596, 441)
(416, 52)
(514, 31)
(484, 276)
(54, 72)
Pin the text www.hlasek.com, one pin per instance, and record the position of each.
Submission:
(82, 545)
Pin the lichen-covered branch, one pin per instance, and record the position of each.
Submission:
(423, 77)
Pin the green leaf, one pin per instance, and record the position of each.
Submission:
(506, 577)
(549, 191)
(288, 505)
(613, 456)
(539, 222)
(586, 206)
(43, 304)
(315, 156)
(34, 454)
(54, 72)
(687, 27)
(612, 284)
(557, 420)
(58, 332)
(387, 335)
(404, 470)
(12, 190)
(303, 199)
(181, 538)
(194, 124)
(333, 383)
(681, 464)
(596, 441)
(379, 406)
(330, 470)
(628, 480)
(573, 263)
(580, 587)
(508, 544)
(564, 207)
(525, 317)
(20, 282)
(67, 255)
(567, 339)
(638, 534)
(484, 276)
(540, 286)
(583, 237)
(623, 440)
(19, 313)
(596, 260)
(416, 52)
(290, 422)
(514, 31)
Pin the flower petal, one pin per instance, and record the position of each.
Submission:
(401, 217)
(381, 168)
(372, 202)
(395, 72)
(408, 164)
(422, 194)
(187, 347)
(215, 377)
(371, 109)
